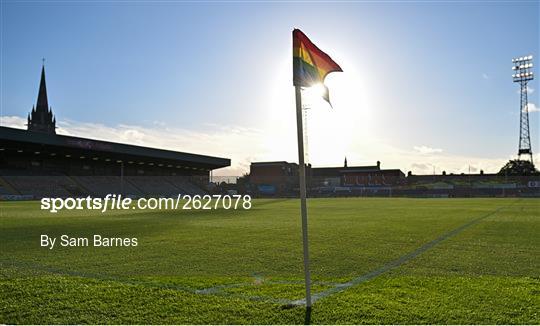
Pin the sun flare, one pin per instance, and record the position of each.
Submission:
(314, 93)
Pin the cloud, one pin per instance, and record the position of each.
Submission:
(531, 107)
(13, 122)
(457, 164)
(485, 76)
(421, 168)
(434, 168)
(427, 150)
(529, 90)
(416, 162)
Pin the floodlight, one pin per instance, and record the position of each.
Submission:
(522, 67)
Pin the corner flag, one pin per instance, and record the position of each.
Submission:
(310, 66)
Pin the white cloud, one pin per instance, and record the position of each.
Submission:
(456, 164)
(392, 157)
(531, 107)
(422, 168)
(427, 150)
(13, 122)
(529, 90)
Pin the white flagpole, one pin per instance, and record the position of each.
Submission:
(303, 207)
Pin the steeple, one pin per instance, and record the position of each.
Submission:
(42, 102)
(345, 162)
(41, 118)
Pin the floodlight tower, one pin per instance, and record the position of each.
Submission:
(522, 67)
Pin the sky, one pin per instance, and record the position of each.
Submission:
(426, 86)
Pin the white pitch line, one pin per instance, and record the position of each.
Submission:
(392, 264)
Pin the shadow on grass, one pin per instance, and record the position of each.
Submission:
(307, 319)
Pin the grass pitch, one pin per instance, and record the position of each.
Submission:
(389, 261)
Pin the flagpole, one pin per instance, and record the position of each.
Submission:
(303, 206)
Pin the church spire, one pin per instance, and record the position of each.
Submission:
(42, 102)
(41, 116)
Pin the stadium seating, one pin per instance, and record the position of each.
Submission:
(6, 189)
(103, 185)
(36, 186)
(41, 186)
(187, 186)
(155, 185)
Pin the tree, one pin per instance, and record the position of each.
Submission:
(243, 183)
(518, 167)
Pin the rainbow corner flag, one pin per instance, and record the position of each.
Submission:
(310, 64)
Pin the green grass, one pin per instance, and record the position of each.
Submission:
(238, 267)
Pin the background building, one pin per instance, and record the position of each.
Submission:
(282, 178)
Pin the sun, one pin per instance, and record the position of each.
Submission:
(332, 132)
(313, 94)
